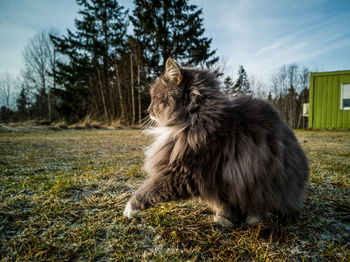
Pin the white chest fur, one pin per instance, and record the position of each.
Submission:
(162, 135)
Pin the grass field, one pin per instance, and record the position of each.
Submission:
(62, 195)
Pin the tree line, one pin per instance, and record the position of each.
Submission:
(102, 69)
(287, 90)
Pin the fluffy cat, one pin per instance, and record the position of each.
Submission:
(238, 156)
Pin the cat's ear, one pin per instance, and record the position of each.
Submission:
(173, 72)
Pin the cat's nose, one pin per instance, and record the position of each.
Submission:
(149, 109)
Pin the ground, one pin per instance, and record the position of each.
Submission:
(62, 195)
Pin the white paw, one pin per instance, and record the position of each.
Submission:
(223, 221)
(129, 212)
(253, 220)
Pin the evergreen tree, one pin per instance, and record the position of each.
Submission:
(228, 85)
(269, 97)
(22, 103)
(171, 29)
(92, 52)
(6, 114)
(39, 106)
(242, 85)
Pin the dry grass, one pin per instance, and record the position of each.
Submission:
(62, 195)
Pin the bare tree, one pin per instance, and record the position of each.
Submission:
(258, 86)
(290, 86)
(304, 80)
(40, 60)
(280, 88)
(291, 98)
(7, 85)
(53, 58)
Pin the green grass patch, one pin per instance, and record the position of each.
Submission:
(62, 195)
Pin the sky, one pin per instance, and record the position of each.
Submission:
(261, 35)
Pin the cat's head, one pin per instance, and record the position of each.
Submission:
(166, 93)
(185, 95)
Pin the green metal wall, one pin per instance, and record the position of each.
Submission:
(324, 100)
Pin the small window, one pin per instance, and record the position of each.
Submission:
(345, 97)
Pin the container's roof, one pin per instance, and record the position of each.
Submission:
(340, 72)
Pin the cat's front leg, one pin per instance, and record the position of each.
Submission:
(156, 190)
(131, 208)
(137, 202)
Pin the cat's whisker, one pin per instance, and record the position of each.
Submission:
(146, 122)
(153, 123)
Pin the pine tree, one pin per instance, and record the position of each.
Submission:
(171, 29)
(228, 85)
(22, 103)
(242, 85)
(92, 52)
(269, 97)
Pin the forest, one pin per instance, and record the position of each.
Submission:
(102, 70)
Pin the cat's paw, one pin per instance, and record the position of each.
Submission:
(223, 221)
(253, 220)
(129, 211)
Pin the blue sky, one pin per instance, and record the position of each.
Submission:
(261, 35)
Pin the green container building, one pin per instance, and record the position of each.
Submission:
(329, 100)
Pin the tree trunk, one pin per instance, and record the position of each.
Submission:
(102, 95)
(43, 83)
(49, 104)
(111, 100)
(301, 117)
(132, 91)
(54, 83)
(139, 90)
(122, 106)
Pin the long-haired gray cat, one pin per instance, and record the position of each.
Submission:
(238, 156)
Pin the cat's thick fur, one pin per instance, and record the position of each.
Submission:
(236, 155)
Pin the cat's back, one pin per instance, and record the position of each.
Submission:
(263, 157)
(258, 133)
(255, 127)
(245, 112)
